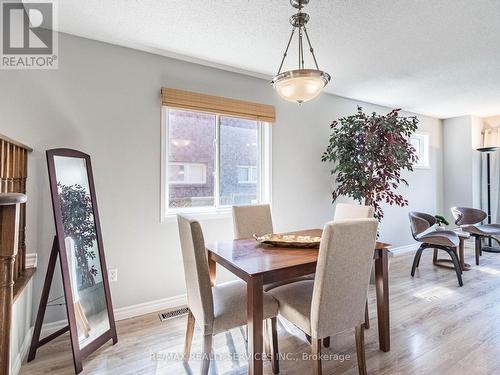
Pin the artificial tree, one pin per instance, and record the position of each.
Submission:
(369, 152)
(78, 222)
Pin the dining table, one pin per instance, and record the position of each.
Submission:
(258, 264)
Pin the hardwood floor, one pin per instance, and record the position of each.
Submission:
(437, 328)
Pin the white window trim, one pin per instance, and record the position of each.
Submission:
(264, 191)
(426, 163)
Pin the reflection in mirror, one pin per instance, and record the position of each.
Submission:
(80, 238)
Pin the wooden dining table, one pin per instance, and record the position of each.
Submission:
(259, 264)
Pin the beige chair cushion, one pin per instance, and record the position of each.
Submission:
(194, 256)
(337, 299)
(230, 306)
(252, 219)
(295, 303)
(352, 211)
(268, 287)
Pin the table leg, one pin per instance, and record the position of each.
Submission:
(255, 315)
(212, 269)
(382, 289)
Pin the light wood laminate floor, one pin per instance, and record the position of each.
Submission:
(437, 328)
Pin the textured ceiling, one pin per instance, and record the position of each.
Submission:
(437, 57)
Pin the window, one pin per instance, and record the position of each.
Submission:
(247, 174)
(421, 144)
(213, 161)
(187, 173)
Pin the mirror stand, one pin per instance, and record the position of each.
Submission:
(78, 245)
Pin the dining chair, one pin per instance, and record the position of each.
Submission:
(335, 301)
(446, 240)
(353, 211)
(215, 308)
(469, 219)
(257, 219)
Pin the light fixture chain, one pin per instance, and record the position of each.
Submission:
(311, 48)
(286, 50)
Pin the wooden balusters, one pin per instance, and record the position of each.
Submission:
(9, 236)
(13, 175)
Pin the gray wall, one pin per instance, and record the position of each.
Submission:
(105, 100)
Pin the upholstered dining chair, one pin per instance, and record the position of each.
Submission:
(257, 219)
(446, 240)
(214, 308)
(353, 211)
(469, 219)
(335, 300)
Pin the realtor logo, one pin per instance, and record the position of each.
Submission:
(28, 40)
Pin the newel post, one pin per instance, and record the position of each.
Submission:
(9, 237)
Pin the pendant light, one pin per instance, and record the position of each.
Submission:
(300, 85)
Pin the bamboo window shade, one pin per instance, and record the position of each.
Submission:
(215, 104)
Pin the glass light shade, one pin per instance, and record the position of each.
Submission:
(491, 140)
(300, 85)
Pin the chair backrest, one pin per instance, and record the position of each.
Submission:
(342, 275)
(420, 222)
(252, 219)
(196, 273)
(467, 215)
(352, 211)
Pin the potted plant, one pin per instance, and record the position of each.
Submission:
(369, 152)
(441, 221)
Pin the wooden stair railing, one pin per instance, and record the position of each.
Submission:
(10, 209)
(13, 176)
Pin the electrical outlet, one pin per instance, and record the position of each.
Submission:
(113, 274)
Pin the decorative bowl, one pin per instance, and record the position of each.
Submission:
(288, 240)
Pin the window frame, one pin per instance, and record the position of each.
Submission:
(264, 169)
(423, 139)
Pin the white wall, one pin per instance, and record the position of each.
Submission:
(462, 162)
(105, 100)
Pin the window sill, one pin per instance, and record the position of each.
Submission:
(223, 213)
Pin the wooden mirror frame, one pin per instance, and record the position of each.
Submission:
(60, 247)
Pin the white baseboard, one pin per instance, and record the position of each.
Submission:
(31, 260)
(128, 312)
(150, 307)
(16, 364)
(405, 249)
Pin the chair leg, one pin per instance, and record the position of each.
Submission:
(456, 265)
(316, 356)
(326, 342)
(367, 315)
(478, 249)
(207, 353)
(274, 346)
(416, 260)
(435, 256)
(360, 349)
(189, 335)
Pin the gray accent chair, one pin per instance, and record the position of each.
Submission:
(470, 219)
(214, 308)
(446, 240)
(335, 300)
